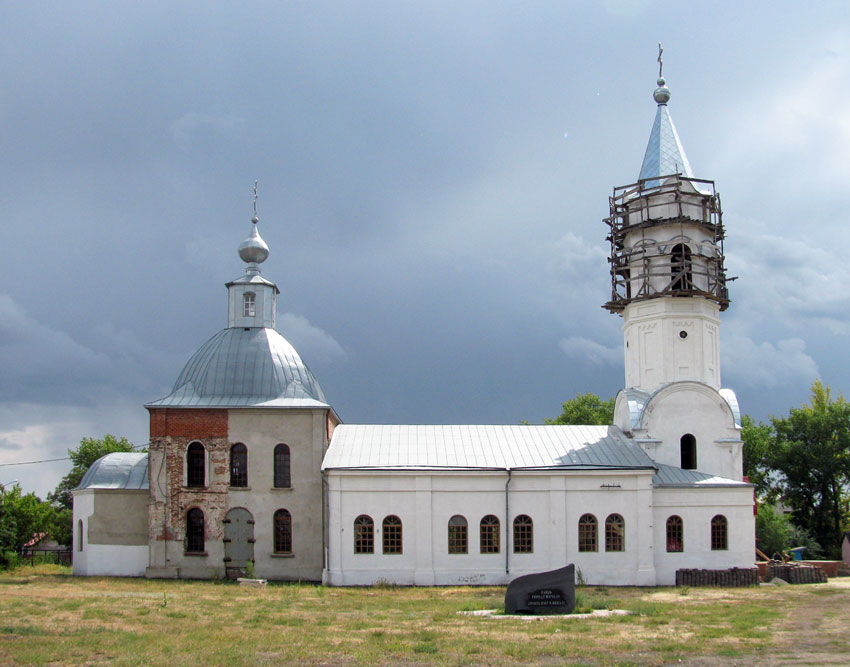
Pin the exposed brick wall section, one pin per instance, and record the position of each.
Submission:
(193, 423)
(171, 432)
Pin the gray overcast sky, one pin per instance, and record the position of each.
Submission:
(433, 178)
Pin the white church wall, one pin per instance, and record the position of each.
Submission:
(656, 353)
(102, 553)
(425, 502)
(692, 408)
(697, 507)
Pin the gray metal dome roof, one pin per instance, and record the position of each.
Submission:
(245, 367)
(118, 470)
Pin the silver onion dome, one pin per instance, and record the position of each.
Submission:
(253, 250)
(662, 93)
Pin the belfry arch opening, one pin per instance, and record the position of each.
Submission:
(688, 449)
(681, 268)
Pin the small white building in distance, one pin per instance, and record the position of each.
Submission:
(248, 462)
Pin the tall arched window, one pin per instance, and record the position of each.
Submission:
(719, 533)
(194, 531)
(364, 535)
(523, 534)
(688, 448)
(80, 535)
(675, 534)
(248, 309)
(196, 465)
(282, 532)
(458, 538)
(282, 478)
(615, 533)
(587, 533)
(489, 535)
(239, 465)
(681, 270)
(391, 537)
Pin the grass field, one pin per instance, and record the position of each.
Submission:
(47, 616)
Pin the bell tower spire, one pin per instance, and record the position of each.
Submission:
(667, 276)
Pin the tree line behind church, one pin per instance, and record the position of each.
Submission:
(799, 464)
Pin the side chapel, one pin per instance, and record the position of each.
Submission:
(249, 462)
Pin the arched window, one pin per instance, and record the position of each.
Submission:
(239, 465)
(364, 535)
(523, 534)
(681, 271)
(196, 465)
(587, 533)
(458, 542)
(688, 448)
(282, 479)
(80, 535)
(719, 533)
(282, 532)
(615, 533)
(248, 309)
(195, 531)
(675, 534)
(489, 535)
(391, 537)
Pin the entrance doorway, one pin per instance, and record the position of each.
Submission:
(238, 542)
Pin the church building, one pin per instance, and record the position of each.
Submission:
(248, 462)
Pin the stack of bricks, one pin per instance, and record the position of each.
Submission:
(796, 574)
(734, 577)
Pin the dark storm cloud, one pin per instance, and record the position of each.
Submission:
(432, 183)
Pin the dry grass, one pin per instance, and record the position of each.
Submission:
(50, 617)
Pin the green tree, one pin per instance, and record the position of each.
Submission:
(757, 441)
(773, 530)
(24, 516)
(811, 454)
(585, 409)
(89, 451)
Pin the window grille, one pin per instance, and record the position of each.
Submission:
(587, 533)
(239, 465)
(195, 531)
(675, 534)
(282, 479)
(196, 465)
(458, 542)
(282, 532)
(615, 533)
(719, 533)
(392, 535)
(523, 534)
(248, 308)
(364, 535)
(489, 535)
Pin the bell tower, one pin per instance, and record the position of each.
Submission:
(668, 281)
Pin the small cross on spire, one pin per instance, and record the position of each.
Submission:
(660, 60)
(255, 202)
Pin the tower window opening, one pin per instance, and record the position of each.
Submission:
(239, 465)
(688, 448)
(196, 465)
(194, 531)
(248, 307)
(681, 268)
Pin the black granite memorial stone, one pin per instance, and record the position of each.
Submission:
(552, 592)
